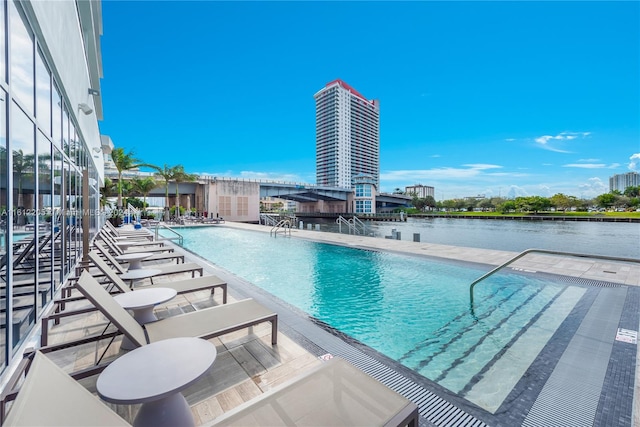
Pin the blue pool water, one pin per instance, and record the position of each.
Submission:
(412, 309)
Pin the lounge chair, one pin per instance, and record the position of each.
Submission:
(165, 256)
(112, 249)
(334, 393)
(50, 397)
(125, 233)
(181, 286)
(207, 323)
(165, 269)
(135, 248)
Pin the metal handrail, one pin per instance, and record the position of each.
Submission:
(136, 212)
(285, 224)
(268, 219)
(166, 227)
(543, 251)
(358, 223)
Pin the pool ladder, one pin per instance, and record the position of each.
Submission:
(542, 251)
(355, 225)
(283, 225)
(166, 227)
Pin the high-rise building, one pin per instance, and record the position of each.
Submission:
(621, 181)
(347, 136)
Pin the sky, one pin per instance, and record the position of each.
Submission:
(476, 98)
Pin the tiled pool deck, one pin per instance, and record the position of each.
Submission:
(247, 365)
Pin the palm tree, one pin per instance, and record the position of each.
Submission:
(124, 161)
(165, 173)
(106, 191)
(179, 175)
(144, 186)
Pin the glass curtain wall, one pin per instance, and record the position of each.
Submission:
(42, 156)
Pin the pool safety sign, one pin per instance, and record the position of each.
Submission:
(626, 335)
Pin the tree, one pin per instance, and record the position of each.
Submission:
(107, 190)
(123, 161)
(179, 175)
(507, 206)
(632, 191)
(430, 202)
(533, 203)
(606, 200)
(561, 202)
(398, 191)
(167, 174)
(418, 203)
(144, 187)
(486, 205)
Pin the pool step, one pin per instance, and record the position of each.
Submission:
(482, 343)
(499, 378)
(511, 326)
(438, 342)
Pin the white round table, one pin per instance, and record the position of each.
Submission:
(134, 259)
(141, 303)
(154, 375)
(143, 273)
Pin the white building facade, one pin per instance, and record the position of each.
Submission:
(347, 136)
(420, 191)
(620, 182)
(51, 163)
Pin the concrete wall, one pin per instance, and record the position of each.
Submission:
(234, 200)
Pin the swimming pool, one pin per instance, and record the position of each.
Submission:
(412, 309)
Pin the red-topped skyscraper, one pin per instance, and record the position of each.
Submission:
(347, 136)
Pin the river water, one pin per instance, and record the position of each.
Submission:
(619, 239)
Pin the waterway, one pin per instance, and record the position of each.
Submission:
(595, 238)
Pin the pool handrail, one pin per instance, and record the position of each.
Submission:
(180, 238)
(283, 224)
(543, 251)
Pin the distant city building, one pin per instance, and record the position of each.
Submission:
(347, 136)
(620, 182)
(421, 191)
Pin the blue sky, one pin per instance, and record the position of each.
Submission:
(494, 98)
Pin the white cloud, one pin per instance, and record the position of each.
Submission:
(515, 191)
(435, 156)
(585, 165)
(544, 140)
(592, 188)
(634, 162)
(471, 171)
(592, 165)
(544, 190)
(510, 139)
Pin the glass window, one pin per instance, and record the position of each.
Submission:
(57, 118)
(43, 95)
(57, 208)
(3, 45)
(44, 229)
(65, 131)
(21, 61)
(3, 208)
(24, 243)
